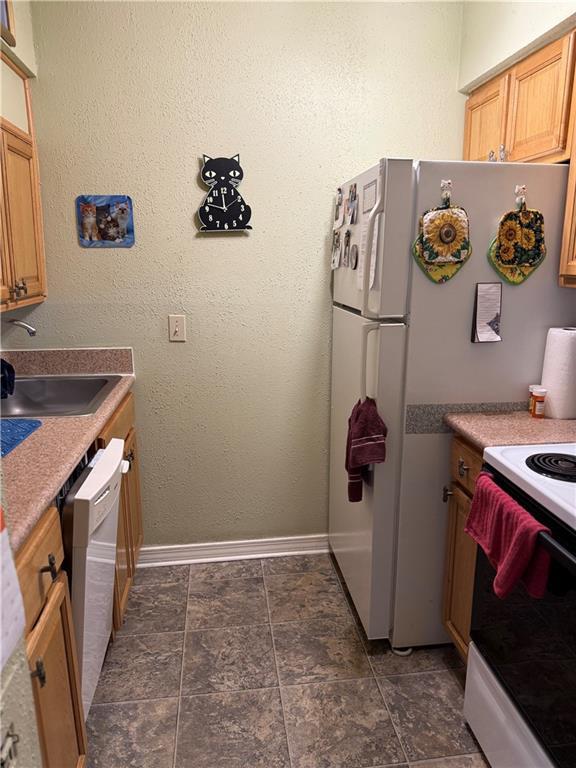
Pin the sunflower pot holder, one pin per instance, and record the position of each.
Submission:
(519, 247)
(443, 243)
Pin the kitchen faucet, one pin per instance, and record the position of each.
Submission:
(21, 324)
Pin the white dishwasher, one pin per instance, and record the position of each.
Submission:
(89, 525)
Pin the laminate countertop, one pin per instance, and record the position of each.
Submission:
(514, 428)
(34, 472)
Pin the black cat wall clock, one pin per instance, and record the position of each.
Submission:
(223, 209)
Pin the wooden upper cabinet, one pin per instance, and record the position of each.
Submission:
(6, 279)
(540, 95)
(526, 110)
(568, 253)
(23, 280)
(21, 200)
(485, 121)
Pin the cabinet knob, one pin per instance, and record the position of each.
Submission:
(51, 567)
(462, 467)
(446, 493)
(130, 457)
(39, 672)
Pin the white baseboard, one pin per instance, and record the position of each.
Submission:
(246, 549)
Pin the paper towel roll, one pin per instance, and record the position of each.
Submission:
(559, 373)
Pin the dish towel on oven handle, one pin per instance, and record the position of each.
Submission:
(365, 444)
(508, 534)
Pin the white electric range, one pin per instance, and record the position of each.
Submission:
(547, 473)
(520, 696)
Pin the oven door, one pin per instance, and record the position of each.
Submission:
(530, 645)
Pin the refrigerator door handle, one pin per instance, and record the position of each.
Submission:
(367, 265)
(367, 328)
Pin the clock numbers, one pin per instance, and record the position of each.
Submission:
(223, 209)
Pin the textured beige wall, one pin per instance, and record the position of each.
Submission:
(493, 32)
(234, 423)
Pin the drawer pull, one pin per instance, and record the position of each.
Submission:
(51, 567)
(462, 467)
(446, 493)
(40, 673)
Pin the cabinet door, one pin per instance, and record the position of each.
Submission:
(132, 482)
(485, 120)
(6, 276)
(21, 203)
(568, 254)
(540, 95)
(121, 425)
(123, 578)
(459, 576)
(51, 647)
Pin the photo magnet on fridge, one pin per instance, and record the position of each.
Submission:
(105, 221)
(223, 209)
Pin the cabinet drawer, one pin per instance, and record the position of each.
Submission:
(120, 423)
(466, 463)
(43, 546)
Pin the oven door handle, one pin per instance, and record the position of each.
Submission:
(558, 552)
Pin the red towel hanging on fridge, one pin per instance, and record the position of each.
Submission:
(365, 445)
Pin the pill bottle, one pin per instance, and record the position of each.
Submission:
(531, 389)
(538, 399)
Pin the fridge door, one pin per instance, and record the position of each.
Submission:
(385, 220)
(443, 365)
(362, 534)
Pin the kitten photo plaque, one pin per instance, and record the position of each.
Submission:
(105, 221)
(223, 208)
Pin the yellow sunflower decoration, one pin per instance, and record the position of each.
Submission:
(443, 243)
(519, 247)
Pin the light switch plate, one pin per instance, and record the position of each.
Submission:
(177, 327)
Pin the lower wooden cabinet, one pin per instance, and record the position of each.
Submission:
(132, 486)
(130, 531)
(466, 464)
(50, 641)
(51, 652)
(460, 565)
(123, 577)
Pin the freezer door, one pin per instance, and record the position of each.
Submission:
(385, 212)
(362, 534)
(443, 365)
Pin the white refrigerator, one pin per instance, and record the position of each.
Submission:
(406, 341)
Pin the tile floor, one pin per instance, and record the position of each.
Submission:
(261, 664)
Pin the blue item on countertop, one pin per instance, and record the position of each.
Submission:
(8, 376)
(14, 431)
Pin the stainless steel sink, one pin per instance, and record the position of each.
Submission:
(57, 395)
